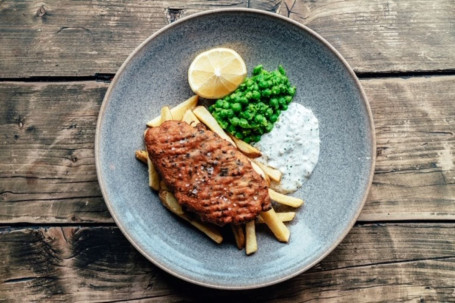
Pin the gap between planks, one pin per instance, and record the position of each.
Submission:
(107, 77)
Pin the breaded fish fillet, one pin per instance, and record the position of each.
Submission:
(207, 175)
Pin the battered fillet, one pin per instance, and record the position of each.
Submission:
(207, 175)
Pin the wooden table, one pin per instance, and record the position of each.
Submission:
(58, 241)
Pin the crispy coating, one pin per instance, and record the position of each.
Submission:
(207, 175)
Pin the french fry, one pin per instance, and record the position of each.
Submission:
(206, 117)
(239, 235)
(154, 178)
(261, 172)
(190, 118)
(209, 230)
(169, 201)
(246, 148)
(141, 155)
(251, 243)
(273, 173)
(177, 111)
(283, 199)
(166, 114)
(163, 186)
(277, 227)
(282, 216)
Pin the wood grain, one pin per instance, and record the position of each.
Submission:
(385, 262)
(47, 169)
(47, 165)
(415, 166)
(383, 36)
(83, 38)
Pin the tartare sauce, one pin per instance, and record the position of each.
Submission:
(291, 147)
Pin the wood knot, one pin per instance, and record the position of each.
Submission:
(173, 14)
(41, 11)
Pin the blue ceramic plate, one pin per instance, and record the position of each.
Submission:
(155, 74)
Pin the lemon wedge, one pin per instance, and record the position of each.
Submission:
(216, 73)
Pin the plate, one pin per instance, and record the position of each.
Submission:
(155, 74)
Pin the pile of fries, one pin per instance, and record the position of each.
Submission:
(245, 235)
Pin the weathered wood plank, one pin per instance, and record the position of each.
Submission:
(82, 38)
(415, 165)
(385, 36)
(47, 169)
(47, 165)
(380, 263)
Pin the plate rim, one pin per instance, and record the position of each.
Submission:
(101, 115)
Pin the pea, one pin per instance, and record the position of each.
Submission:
(219, 103)
(223, 124)
(239, 135)
(243, 123)
(288, 99)
(243, 100)
(266, 92)
(291, 90)
(273, 118)
(236, 107)
(234, 121)
(263, 84)
(223, 113)
(268, 112)
(269, 127)
(281, 70)
(230, 113)
(256, 95)
(255, 138)
(259, 118)
(247, 139)
(282, 101)
(257, 70)
(284, 107)
(274, 102)
(275, 90)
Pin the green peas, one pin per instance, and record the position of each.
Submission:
(255, 105)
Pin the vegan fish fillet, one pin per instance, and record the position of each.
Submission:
(207, 175)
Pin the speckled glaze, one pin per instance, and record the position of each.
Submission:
(155, 74)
